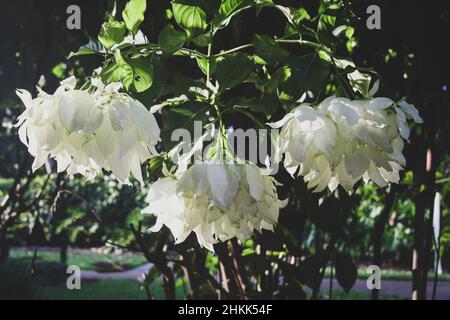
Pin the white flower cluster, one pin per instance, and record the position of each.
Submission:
(86, 132)
(342, 141)
(216, 202)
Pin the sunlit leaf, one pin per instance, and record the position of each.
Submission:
(112, 32)
(133, 14)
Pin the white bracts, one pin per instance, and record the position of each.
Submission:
(342, 141)
(215, 201)
(88, 132)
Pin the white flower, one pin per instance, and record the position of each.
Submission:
(86, 133)
(342, 141)
(215, 201)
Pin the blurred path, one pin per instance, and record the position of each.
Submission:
(137, 273)
(395, 288)
(388, 287)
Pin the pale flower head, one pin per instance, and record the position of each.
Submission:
(215, 201)
(88, 132)
(341, 141)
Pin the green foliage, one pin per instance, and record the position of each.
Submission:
(228, 9)
(232, 70)
(133, 15)
(136, 72)
(302, 74)
(269, 50)
(182, 116)
(92, 47)
(111, 33)
(192, 15)
(170, 40)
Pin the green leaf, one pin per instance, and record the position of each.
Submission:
(112, 32)
(293, 15)
(156, 90)
(143, 73)
(211, 7)
(136, 72)
(111, 73)
(267, 104)
(92, 47)
(269, 50)
(346, 272)
(228, 9)
(360, 82)
(331, 24)
(233, 70)
(203, 40)
(170, 40)
(301, 74)
(349, 32)
(59, 70)
(133, 14)
(325, 216)
(81, 52)
(182, 116)
(203, 64)
(125, 71)
(339, 30)
(190, 15)
(272, 84)
(183, 85)
(308, 270)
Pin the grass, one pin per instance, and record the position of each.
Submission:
(49, 283)
(17, 284)
(131, 290)
(86, 261)
(98, 290)
(352, 295)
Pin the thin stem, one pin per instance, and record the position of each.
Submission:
(250, 45)
(208, 64)
(190, 53)
(223, 53)
(223, 144)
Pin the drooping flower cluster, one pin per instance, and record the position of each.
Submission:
(216, 202)
(87, 132)
(342, 141)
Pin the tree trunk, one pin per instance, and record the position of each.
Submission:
(422, 233)
(4, 249)
(377, 236)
